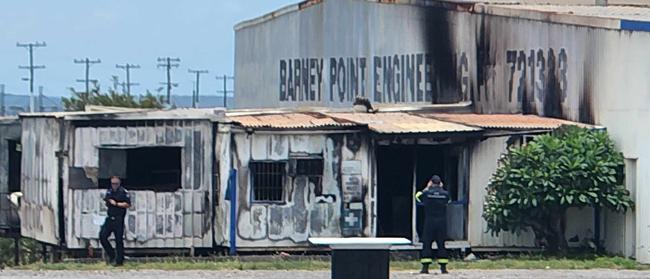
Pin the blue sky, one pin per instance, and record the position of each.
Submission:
(200, 32)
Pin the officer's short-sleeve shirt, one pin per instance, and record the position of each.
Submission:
(119, 195)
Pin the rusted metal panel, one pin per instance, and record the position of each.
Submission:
(290, 121)
(505, 121)
(403, 123)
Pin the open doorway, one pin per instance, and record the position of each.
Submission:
(404, 169)
(15, 155)
(395, 191)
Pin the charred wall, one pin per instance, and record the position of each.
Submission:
(159, 216)
(311, 205)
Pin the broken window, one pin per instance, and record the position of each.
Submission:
(267, 180)
(309, 167)
(312, 168)
(147, 168)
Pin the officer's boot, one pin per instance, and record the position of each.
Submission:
(425, 268)
(443, 268)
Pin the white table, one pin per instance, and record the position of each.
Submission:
(360, 257)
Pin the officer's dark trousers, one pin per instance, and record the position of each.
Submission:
(114, 225)
(435, 229)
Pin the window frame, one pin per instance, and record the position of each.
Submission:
(251, 177)
(127, 184)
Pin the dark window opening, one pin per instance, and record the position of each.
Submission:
(312, 168)
(309, 167)
(148, 168)
(267, 181)
(520, 140)
(15, 151)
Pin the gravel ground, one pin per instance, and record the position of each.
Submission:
(157, 274)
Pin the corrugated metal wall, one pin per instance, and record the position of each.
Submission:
(328, 53)
(180, 219)
(304, 213)
(484, 162)
(518, 61)
(585, 74)
(40, 179)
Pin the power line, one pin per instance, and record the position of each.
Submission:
(87, 79)
(30, 47)
(166, 62)
(225, 90)
(127, 68)
(195, 96)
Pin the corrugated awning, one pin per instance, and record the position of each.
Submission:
(505, 121)
(400, 122)
(403, 123)
(293, 120)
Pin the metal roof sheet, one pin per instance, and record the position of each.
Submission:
(292, 120)
(403, 123)
(4, 120)
(617, 14)
(134, 114)
(611, 11)
(505, 121)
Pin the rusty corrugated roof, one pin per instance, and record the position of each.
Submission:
(403, 123)
(291, 120)
(505, 121)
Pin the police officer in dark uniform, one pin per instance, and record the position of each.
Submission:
(434, 199)
(118, 201)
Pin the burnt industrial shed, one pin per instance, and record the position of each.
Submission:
(553, 58)
(297, 173)
(164, 157)
(263, 179)
(10, 154)
(406, 53)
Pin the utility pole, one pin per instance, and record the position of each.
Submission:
(225, 90)
(40, 98)
(195, 96)
(2, 100)
(166, 62)
(30, 47)
(87, 79)
(116, 83)
(127, 67)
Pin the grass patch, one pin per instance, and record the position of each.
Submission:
(217, 264)
(525, 262)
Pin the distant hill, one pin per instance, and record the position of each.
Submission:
(15, 104)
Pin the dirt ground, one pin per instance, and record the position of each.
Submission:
(157, 274)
